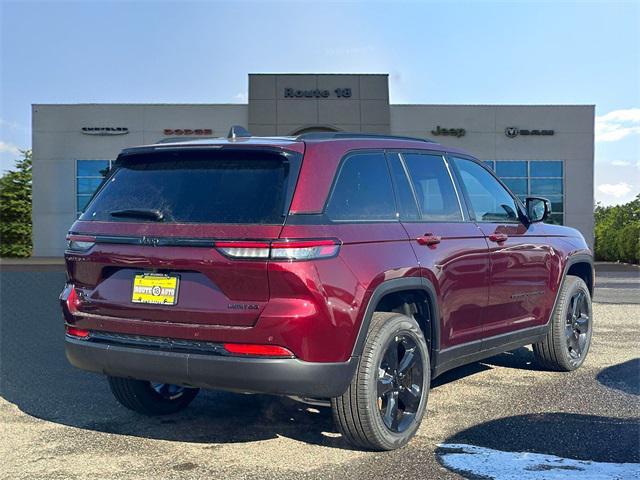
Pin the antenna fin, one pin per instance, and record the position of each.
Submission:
(237, 131)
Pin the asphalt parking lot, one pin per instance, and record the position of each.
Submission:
(59, 422)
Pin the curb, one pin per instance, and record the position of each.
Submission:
(32, 261)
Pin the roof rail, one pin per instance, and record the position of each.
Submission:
(347, 135)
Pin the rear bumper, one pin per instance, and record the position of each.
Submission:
(286, 376)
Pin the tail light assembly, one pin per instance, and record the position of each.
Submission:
(277, 250)
(80, 243)
(249, 250)
(281, 250)
(69, 299)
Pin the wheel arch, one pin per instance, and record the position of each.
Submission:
(399, 287)
(583, 268)
(580, 265)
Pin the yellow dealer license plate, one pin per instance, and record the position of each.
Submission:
(155, 288)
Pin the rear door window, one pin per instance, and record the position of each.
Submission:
(434, 188)
(363, 190)
(235, 187)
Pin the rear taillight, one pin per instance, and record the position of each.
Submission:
(77, 332)
(80, 243)
(257, 350)
(282, 250)
(304, 249)
(244, 249)
(72, 300)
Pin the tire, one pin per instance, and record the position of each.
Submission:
(567, 342)
(358, 412)
(141, 396)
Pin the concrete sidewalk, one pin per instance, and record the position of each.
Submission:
(32, 264)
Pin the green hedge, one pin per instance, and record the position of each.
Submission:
(617, 232)
(15, 209)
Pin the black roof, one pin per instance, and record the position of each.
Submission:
(347, 135)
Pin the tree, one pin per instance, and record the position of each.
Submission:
(15, 209)
(617, 232)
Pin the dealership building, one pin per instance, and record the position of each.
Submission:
(542, 150)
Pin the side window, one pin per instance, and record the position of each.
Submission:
(434, 189)
(406, 201)
(489, 200)
(363, 190)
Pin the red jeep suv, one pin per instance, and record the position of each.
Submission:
(338, 267)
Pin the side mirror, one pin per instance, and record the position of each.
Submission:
(538, 209)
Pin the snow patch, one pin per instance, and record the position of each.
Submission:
(500, 465)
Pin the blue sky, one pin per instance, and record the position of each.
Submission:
(453, 52)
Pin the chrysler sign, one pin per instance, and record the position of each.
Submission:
(105, 130)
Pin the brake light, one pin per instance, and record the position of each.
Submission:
(257, 350)
(80, 243)
(281, 249)
(77, 332)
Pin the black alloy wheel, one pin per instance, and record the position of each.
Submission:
(168, 391)
(151, 398)
(578, 325)
(384, 405)
(400, 383)
(568, 338)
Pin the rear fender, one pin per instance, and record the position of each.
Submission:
(397, 285)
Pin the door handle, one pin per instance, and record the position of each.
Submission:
(428, 239)
(498, 237)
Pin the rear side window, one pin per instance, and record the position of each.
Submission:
(404, 196)
(434, 188)
(241, 187)
(362, 191)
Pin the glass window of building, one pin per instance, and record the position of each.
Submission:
(534, 178)
(89, 174)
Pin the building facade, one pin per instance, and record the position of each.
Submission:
(544, 150)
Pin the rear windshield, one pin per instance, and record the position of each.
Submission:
(197, 187)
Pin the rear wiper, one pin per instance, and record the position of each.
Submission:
(146, 213)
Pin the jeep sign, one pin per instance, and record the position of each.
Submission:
(454, 132)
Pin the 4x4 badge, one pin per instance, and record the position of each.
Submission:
(151, 241)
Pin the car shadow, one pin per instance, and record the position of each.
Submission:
(576, 436)
(458, 373)
(54, 391)
(36, 377)
(520, 358)
(623, 376)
